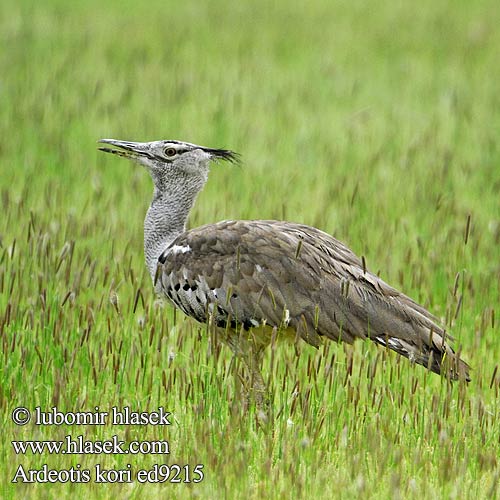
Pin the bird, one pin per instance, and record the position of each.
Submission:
(256, 280)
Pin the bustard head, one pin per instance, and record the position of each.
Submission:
(169, 160)
(179, 171)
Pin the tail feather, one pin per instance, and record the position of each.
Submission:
(440, 358)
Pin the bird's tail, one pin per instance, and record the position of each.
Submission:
(437, 355)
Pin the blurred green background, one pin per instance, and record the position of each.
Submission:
(378, 122)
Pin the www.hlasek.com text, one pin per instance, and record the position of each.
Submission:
(81, 446)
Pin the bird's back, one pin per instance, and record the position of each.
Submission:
(246, 273)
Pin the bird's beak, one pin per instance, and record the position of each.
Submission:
(130, 150)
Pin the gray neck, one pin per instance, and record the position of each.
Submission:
(167, 215)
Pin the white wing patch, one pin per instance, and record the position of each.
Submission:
(180, 249)
(286, 319)
(398, 345)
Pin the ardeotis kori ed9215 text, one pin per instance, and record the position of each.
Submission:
(251, 279)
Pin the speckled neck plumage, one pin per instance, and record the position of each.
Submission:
(167, 215)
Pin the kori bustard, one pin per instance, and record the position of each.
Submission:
(253, 279)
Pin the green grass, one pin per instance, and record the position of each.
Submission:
(378, 123)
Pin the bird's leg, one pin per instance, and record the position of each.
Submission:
(253, 360)
(250, 348)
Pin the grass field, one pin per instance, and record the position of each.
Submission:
(376, 122)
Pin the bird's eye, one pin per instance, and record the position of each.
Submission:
(170, 151)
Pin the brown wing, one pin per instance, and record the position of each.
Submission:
(280, 273)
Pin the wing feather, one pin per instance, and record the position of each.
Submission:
(255, 272)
